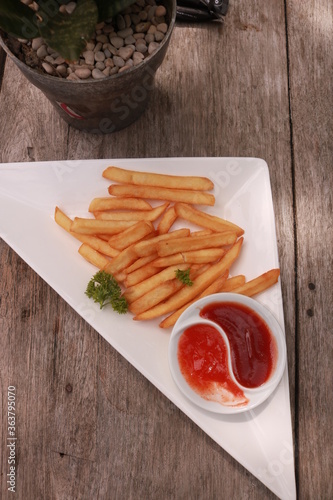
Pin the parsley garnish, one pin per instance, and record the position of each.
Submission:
(104, 289)
(184, 276)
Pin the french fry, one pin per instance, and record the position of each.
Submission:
(199, 285)
(168, 218)
(148, 215)
(93, 256)
(148, 247)
(161, 193)
(161, 292)
(125, 176)
(169, 247)
(231, 283)
(193, 257)
(213, 288)
(93, 226)
(202, 232)
(131, 235)
(141, 274)
(124, 258)
(108, 203)
(141, 261)
(154, 297)
(95, 242)
(136, 291)
(202, 219)
(259, 284)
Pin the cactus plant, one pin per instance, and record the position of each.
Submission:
(66, 33)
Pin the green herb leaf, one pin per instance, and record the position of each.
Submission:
(104, 289)
(184, 276)
(68, 34)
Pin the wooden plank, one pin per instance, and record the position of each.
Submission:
(43, 354)
(310, 26)
(38, 131)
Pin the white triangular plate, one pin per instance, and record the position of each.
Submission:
(260, 439)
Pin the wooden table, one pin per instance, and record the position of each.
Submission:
(261, 85)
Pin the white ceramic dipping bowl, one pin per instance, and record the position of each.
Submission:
(191, 316)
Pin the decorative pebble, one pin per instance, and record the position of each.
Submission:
(62, 70)
(125, 52)
(97, 74)
(160, 11)
(73, 76)
(150, 38)
(48, 68)
(109, 62)
(138, 57)
(100, 65)
(98, 46)
(117, 41)
(59, 60)
(119, 61)
(70, 7)
(83, 73)
(159, 36)
(42, 52)
(152, 47)
(89, 56)
(163, 27)
(102, 38)
(99, 56)
(142, 27)
(141, 47)
(36, 43)
(116, 45)
(125, 32)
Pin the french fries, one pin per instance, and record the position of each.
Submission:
(151, 283)
(259, 284)
(93, 241)
(186, 294)
(107, 203)
(132, 240)
(191, 257)
(168, 218)
(149, 215)
(148, 179)
(131, 235)
(92, 256)
(93, 226)
(161, 193)
(206, 220)
(170, 247)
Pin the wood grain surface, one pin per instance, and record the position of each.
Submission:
(89, 425)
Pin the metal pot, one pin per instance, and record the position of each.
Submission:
(107, 105)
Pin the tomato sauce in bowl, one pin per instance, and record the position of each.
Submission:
(227, 353)
(203, 361)
(252, 346)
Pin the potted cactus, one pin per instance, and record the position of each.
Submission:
(95, 60)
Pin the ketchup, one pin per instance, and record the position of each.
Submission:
(253, 347)
(203, 361)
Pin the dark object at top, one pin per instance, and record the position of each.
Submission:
(201, 10)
